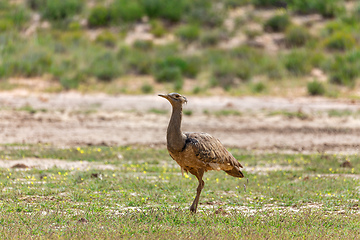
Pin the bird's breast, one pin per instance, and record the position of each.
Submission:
(187, 159)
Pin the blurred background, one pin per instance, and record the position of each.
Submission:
(200, 47)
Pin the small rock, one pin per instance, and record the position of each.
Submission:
(346, 164)
(20, 165)
(83, 220)
(221, 211)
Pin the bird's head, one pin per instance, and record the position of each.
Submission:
(174, 98)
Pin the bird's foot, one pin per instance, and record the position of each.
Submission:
(192, 209)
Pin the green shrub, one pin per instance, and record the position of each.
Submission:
(99, 17)
(340, 41)
(315, 88)
(61, 9)
(178, 84)
(171, 10)
(169, 74)
(327, 8)
(345, 69)
(105, 67)
(192, 67)
(32, 63)
(270, 3)
(188, 33)
(63, 68)
(211, 38)
(144, 45)
(6, 24)
(127, 11)
(229, 71)
(157, 28)
(189, 67)
(36, 4)
(273, 69)
(235, 3)
(74, 26)
(296, 36)
(147, 88)
(296, 63)
(206, 13)
(258, 87)
(356, 12)
(69, 82)
(135, 61)
(19, 16)
(106, 38)
(277, 23)
(188, 112)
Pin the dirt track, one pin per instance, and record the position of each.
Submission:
(72, 119)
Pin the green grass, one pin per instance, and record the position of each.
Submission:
(144, 194)
(298, 114)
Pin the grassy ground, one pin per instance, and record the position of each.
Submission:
(144, 195)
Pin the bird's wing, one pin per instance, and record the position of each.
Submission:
(210, 150)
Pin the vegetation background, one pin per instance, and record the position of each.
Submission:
(269, 47)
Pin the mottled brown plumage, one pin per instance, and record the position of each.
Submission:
(196, 152)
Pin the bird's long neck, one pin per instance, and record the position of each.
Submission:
(175, 138)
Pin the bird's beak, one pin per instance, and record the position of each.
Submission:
(185, 100)
(163, 95)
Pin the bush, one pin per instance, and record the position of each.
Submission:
(274, 70)
(63, 68)
(258, 87)
(327, 8)
(6, 24)
(99, 17)
(228, 72)
(235, 3)
(127, 11)
(169, 74)
(315, 88)
(35, 4)
(277, 23)
(57, 10)
(69, 82)
(340, 41)
(271, 3)
(192, 67)
(147, 88)
(135, 61)
(345, 69)
(189, 67)
(205, 13)
(144, 45)
(32, 63)
(296, 36)
(188, 33)
(105, 67)
(157, 28)
(106, 38)
(171, 10)
(211, 38)
(357, 11)
(296, 62)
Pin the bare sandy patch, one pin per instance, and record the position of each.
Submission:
(39, 163)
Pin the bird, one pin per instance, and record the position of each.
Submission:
(196, 152)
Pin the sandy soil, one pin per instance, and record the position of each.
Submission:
(72, 119)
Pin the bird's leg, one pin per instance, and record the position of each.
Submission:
(198, 174)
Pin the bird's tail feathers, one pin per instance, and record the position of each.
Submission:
(235, 172)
